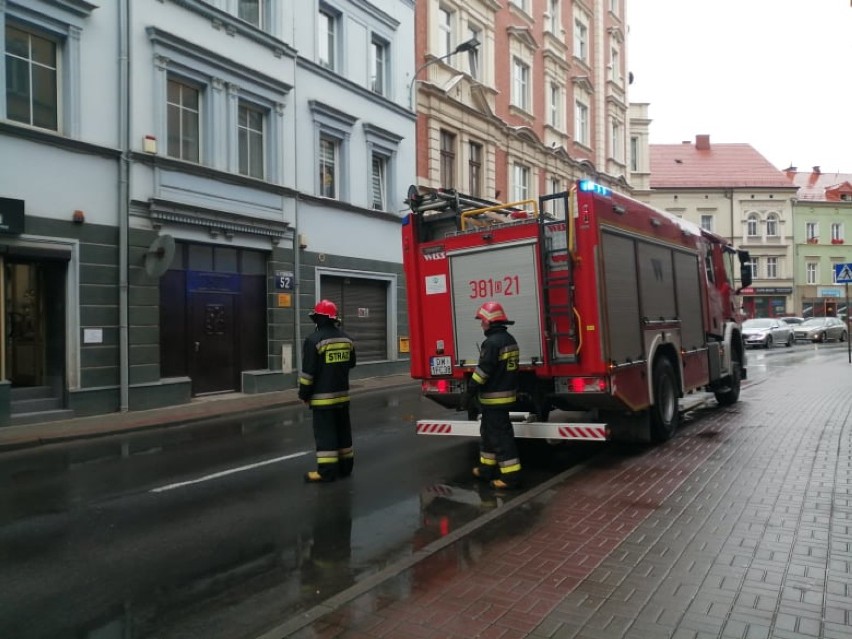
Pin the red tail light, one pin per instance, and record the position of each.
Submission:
(436, 386)
(588, 385)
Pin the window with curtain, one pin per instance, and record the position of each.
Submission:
(328, 166)
(379, 182)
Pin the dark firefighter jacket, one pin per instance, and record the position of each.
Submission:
(327, 356)
(496, 375)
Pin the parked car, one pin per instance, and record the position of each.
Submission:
(821, 329)
(792, 321)
(767, 331)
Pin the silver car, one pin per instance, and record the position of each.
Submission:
(821, 329)
(767, 332)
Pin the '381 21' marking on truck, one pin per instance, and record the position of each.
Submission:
(489, 287)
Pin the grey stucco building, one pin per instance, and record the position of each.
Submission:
(182, 179)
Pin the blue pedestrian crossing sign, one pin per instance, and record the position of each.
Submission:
(843, 273)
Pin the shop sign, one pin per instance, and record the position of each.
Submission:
(767, 290)
(11, 216)
(829, 291)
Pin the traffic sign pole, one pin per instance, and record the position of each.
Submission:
(846, 321)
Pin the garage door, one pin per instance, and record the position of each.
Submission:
(362, 304)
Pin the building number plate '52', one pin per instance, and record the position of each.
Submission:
(440, 366)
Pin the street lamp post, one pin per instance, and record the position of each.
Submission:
(467, 45)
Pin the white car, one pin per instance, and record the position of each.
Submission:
(767, 332)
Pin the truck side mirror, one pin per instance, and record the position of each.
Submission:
(745, 269)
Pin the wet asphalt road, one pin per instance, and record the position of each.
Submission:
(208, 531)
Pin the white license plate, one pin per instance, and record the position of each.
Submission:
(440, 366)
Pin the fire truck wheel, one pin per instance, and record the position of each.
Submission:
(730, 393)
(664, 411)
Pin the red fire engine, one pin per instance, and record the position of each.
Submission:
(621, 311)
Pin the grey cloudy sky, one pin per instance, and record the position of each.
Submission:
(770, 73)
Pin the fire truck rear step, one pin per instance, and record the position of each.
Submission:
(526, 428)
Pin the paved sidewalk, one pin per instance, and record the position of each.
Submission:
(741, 526)
(31, 435)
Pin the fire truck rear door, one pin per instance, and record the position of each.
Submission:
(507, 274)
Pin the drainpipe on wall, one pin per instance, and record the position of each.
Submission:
(123, 196)
(297, 261)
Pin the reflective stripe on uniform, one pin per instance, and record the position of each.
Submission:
(509, 351)
(327, 399)
(487, 459)
(506, 470)
(498, 398)
(479, 376)
(326, 457)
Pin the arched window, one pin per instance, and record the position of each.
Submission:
(751, 225)
(772, 225)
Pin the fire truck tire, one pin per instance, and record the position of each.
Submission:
(730, 393)
(664, 411)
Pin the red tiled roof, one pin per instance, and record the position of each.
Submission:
(814, 184)
(717, 166)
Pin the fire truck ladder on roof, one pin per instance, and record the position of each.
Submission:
(557, 265)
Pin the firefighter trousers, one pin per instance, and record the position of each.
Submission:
(333, 438)
(498, 452)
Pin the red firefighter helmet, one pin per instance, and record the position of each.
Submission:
(492, 312)
(325, 307)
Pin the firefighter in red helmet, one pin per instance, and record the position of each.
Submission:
(495, 384)
(328, 354)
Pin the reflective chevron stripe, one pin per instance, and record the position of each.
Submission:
(532, 430)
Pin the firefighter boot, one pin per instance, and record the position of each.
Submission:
(345, 464)
(485, 473)
(317, 477)
(487, 468)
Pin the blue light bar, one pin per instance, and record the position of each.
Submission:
(594, 187)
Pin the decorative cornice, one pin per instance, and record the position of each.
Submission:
(616, 33)
(583, 82)
(322, 109)
(560, 61)
(161, 210)
(524, 35)
(234, 25)
(246, 74)
(374, 12)
(78, 7)
(371, 130)
(336, 78)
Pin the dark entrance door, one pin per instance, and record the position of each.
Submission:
(34, 305)
(213, 316)
(212, 340)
